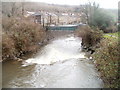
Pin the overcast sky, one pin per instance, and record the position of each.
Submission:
(109, 4)
(103, 3)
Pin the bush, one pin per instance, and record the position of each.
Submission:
(20, 36)
(8, 47)
(110, 29)
(106, 59)
(7, 23)
(89, 37)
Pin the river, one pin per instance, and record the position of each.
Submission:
(60, 64)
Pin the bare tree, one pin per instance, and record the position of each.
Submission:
(13, 8)
(89, 10)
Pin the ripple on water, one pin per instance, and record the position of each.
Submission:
(60, 64)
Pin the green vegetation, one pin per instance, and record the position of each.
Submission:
(20, 36)
(112, 35)
(101, 19)
(106, 59)
(97, 17)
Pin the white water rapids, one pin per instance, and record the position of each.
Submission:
(60, 64)
(59, 50)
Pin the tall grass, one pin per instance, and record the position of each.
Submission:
(20, 36)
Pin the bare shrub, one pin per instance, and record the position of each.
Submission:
(89, 37)
(7, 23)
(23, 34)
(8, 47)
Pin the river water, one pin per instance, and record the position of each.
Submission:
(60, 64)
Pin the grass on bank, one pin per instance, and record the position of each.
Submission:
(112, 35)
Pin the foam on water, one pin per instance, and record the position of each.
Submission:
(45, 70)
(59, 50)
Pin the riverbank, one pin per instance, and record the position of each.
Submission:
(106, 59)
(103, 50)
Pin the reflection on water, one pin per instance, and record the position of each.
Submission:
(60, 64)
